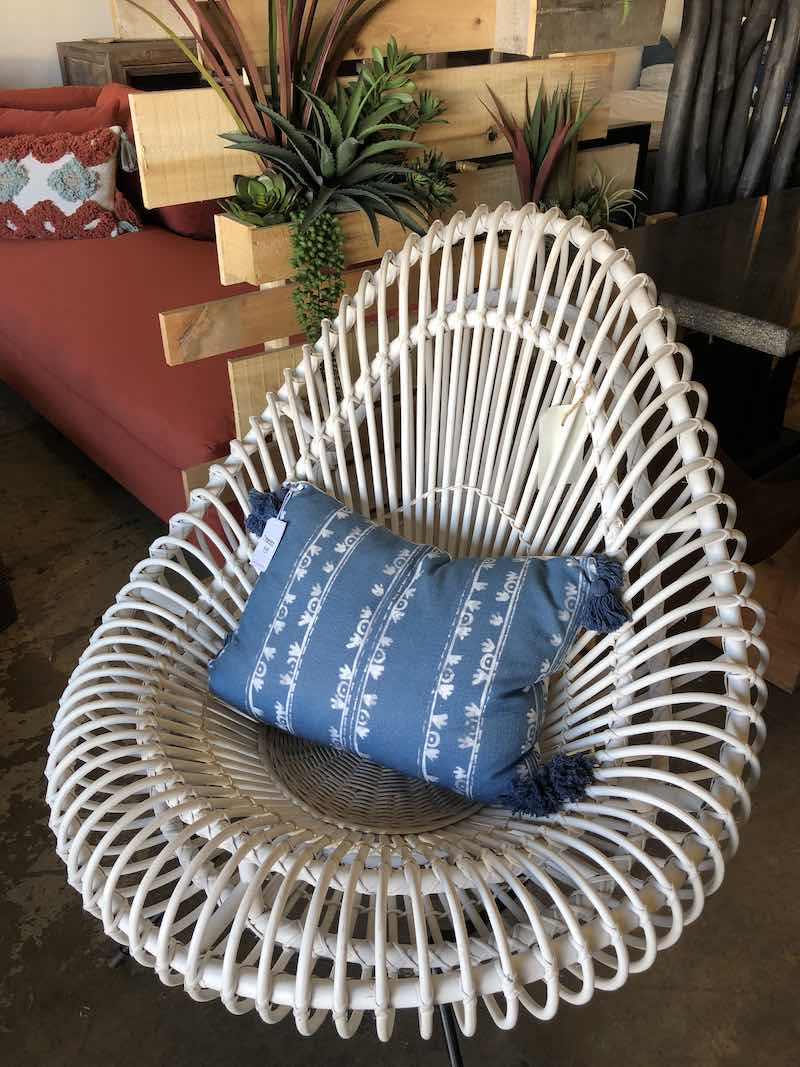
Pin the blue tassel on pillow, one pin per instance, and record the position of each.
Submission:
(563, 779)
(263, 506)
(603, 610)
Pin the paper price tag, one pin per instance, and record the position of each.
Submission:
(561, 429)
(267, 544)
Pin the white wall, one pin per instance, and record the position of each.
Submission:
(672, 19)
(29, 30)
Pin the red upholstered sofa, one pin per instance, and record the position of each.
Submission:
(80, 338)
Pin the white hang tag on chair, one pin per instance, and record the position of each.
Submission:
(561, 429)
(267, 544)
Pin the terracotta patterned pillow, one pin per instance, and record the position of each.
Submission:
(62, 185)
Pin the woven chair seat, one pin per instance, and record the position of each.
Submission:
(286, 877)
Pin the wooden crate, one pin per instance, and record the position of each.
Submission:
(182, 157)
(261, 255)
(492, 185)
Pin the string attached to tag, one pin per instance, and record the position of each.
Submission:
(576, 404)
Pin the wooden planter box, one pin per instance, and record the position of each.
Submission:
(260, 254)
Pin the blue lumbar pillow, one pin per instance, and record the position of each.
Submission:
(357, 638)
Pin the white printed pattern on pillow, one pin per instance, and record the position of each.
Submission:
(394, 599)
(460, 627)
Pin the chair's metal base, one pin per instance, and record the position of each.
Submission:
(450, 1035)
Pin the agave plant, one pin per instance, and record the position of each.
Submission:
(261, 201)
(545, 146)
(336, 171)
(602, 202)
(352, 153)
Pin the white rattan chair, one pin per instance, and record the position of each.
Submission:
(245, 864)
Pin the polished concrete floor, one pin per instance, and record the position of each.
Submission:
(726, 994)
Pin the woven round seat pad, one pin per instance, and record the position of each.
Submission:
(355, 792)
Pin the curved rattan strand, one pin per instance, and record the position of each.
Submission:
(288, 879)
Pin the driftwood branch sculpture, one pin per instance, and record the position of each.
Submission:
(695, 193)
(728, 133)
(680, 103)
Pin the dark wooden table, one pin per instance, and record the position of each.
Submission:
(732, 272)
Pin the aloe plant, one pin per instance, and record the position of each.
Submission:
(545, 146)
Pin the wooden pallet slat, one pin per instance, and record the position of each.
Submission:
(216, 327)
(183, 159)
(180, 154)
(417, 25)
(252, 377)
(520, 27)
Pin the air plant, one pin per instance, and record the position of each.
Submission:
(601, 202)
(545, 146)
